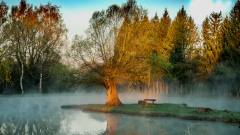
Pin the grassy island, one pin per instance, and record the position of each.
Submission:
(161, 110)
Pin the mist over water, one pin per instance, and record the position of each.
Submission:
(41, 114)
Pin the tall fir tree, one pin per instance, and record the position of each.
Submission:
(165, 23)
(233, 35)
(181, 39)
(211, 32)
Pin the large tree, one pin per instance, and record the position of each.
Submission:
(112, 54)
(181, 42)
(37, 35)
(227, 68)
(232, 35)
(19, 37)
(51, 36)
(160, 31)
(158, 60)
(211, 32)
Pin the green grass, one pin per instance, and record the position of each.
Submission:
(166, 110)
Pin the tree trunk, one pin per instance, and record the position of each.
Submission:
(40, 80)
(21, 78)
(112, 95)
(40, 83)
(166, 87)
(141, 86)
(149, 80)
(181, 89)
(163, 85)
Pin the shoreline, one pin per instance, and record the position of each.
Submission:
(160, 110)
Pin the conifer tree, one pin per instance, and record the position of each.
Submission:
(165, 23)
(212, 39)
(181, 39)
(160, 29)
(233, 35)
(224, 39)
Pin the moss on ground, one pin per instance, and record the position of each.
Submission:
(165, 110)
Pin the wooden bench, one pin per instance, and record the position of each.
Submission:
(153, 100)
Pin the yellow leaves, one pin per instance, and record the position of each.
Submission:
(212, 39)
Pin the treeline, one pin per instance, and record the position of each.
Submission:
(31, 43)
(124, 46)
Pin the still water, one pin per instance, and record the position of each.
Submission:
(42, 115)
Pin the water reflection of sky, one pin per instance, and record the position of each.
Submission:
(43, 115)
(93, 123)
(79, 122)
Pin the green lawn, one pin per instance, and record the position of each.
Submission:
(168, 110)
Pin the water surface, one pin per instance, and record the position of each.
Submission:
(42, 115)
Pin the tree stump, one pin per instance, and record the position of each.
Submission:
(141, 102)
(203, 110)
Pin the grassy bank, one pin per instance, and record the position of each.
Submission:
(164, 110)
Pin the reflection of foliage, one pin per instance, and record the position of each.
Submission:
(235, 121)
(39, 126)
(34, 121)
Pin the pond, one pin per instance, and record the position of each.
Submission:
(42, 115)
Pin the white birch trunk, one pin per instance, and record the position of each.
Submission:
(21, 78)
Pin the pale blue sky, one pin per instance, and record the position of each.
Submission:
(76, 13)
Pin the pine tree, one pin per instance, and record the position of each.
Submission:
(212, 40)
(233, 35)
(224, 39)
(181, 40)
(155, 24)
(158, 59)
(165, 23)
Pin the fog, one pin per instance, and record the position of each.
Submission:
(41, 114)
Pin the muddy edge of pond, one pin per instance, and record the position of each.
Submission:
(91, 108)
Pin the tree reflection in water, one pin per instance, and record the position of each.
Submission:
(43, 116)
(34, 119)
(112, 123)
(143, 125)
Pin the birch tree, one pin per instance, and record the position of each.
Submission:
(37, 35)
(4, 43)
(18, 37)
(51, 36)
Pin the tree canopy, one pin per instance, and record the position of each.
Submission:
(122, 46)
